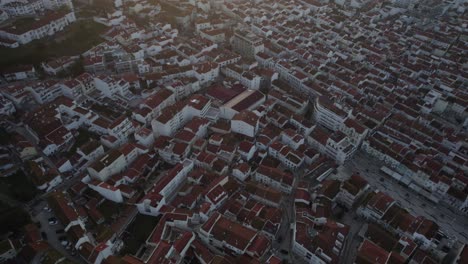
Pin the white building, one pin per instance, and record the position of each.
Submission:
(245, 123)
(46, 26)
(247, 44)
(328, 114)
(247, 150)
(55, 66)
(292, 139)
(351, 190)
(33, 7)
(110, 86)
(176, 116)
(241, 171)
(144, 136)
(6, 106)
(164, 189)
(247, 78)
(275, 178)
(3, 16)
(377, 206)
(247, 100)
(111, 163)
(286, 155)
(72, 89)
(19, 73)
(335, 145)
(44, 92)
(87, 82)
(218, 229)
(154, 103)
(206, 72)
(318, 243)
(91, 150)
(214, 35)
(354, 130)
(107, 191)
(122, 128)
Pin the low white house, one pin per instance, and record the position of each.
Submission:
(107, 191)
(47, 25)
(111, 163)
(245, 123)
(164, 188)
(110, 86)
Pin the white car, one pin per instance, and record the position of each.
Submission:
(53, 222)
(64, 243)
(47, 209)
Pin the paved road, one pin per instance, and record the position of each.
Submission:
(42, 216)
(289, 217)
(451, 223)
(352, 243)
(285, 231)
(35, 206)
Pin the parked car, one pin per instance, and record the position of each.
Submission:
(47, 209)
(52, 219)
(53, 222)
(44, 235)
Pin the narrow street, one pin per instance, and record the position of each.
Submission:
(283, 240)
(355, 224)
(36, 206)
(288, 217)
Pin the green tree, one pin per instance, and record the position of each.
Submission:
(5, 137)
(77, 68)
(12, 218)
(19, 186)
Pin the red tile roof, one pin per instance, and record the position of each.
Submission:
(234, 234)
(247, 117)
(259, 245)
(380, 202)
(371, 253)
